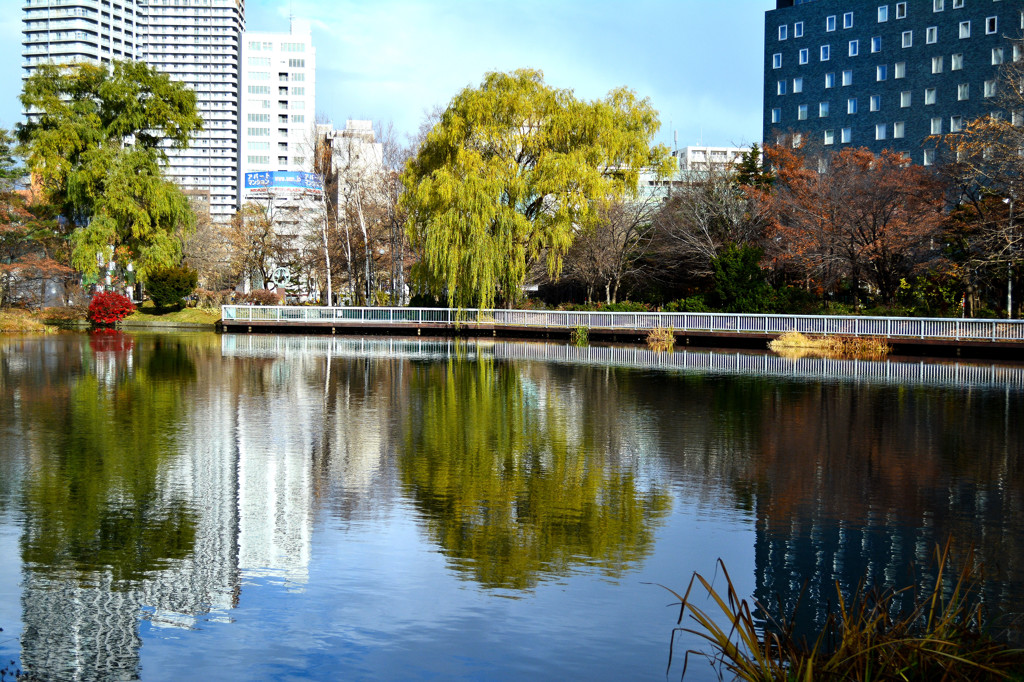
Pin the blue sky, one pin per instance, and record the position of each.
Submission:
(699, 61)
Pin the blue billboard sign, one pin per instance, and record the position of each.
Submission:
(287, 181)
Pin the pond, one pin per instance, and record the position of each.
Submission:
(179, 506)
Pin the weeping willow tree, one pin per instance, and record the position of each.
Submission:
(93, 144)
(511, 173)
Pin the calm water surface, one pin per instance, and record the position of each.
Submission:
(253, 507)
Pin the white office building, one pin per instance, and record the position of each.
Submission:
(278, 102)
(194, 41)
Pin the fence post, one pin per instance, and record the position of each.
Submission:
(922, 329)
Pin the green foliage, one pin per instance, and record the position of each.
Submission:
(511, 172)
(690, 304)
(168, 286)
(740, 283)
(750, 171)
(620, 307)
(93, 147)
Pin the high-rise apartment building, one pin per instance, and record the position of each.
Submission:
(194, 41)
(198, 42)
(883, 75)
(278, 101)
(67, 32)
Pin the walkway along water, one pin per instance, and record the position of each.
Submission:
(932, 336)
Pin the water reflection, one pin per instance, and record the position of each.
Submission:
(166, 478)
(512, 482)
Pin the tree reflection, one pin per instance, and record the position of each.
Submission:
(508, 488)
(94, 499)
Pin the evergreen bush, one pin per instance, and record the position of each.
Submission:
(168, 286)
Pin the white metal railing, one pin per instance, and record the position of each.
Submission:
(697, 361)
(891, 327)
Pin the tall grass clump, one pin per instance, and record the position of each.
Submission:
(580, 336)
(795, 344)
(943, 635)
(661, 339)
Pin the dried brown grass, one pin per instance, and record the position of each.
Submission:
(797, 345)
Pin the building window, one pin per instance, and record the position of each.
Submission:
(965, 29)
(883, 13)
(905, 99)
(825, 50)
(776, 115)
(938, 5)
(830, 137)
(846, 135)
(830, 23)
(936, 126)
(848, 77)
(956, 124)
(898, 130)
(937, 64)
(1017, 53)
(875, 102)
(990, 88)
(997, 55)
(780, 88)
(931, 34)
(876, 44)
(848, 20)
(830, 80)
(963, 92)
(899, 70)
(798, 85)
(851, 105)
(991, 24)
(801, 112)
(777, 60)
(798, 29)
(880, 131)
(929, 96)
(956, 62)
(881, 72)
(929, 157)
(901, 10)
(823, 110)
(959, 4)
(804, 56)
(782, 32)
(854, 48)
(908, 39)
(797, 139)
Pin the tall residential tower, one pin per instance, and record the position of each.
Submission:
(197, 42)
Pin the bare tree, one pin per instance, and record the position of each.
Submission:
(706, 212)
(612, 249)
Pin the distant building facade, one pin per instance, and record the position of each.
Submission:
(883, 75)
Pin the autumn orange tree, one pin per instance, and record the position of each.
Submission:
(853, 216)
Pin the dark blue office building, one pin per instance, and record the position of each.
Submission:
(881, 74)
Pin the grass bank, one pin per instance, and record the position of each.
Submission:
(148, 315)
(17, 320)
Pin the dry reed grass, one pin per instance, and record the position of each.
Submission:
(944, 634)
(797, 345)
(661, 339)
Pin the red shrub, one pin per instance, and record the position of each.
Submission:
(108, 308)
